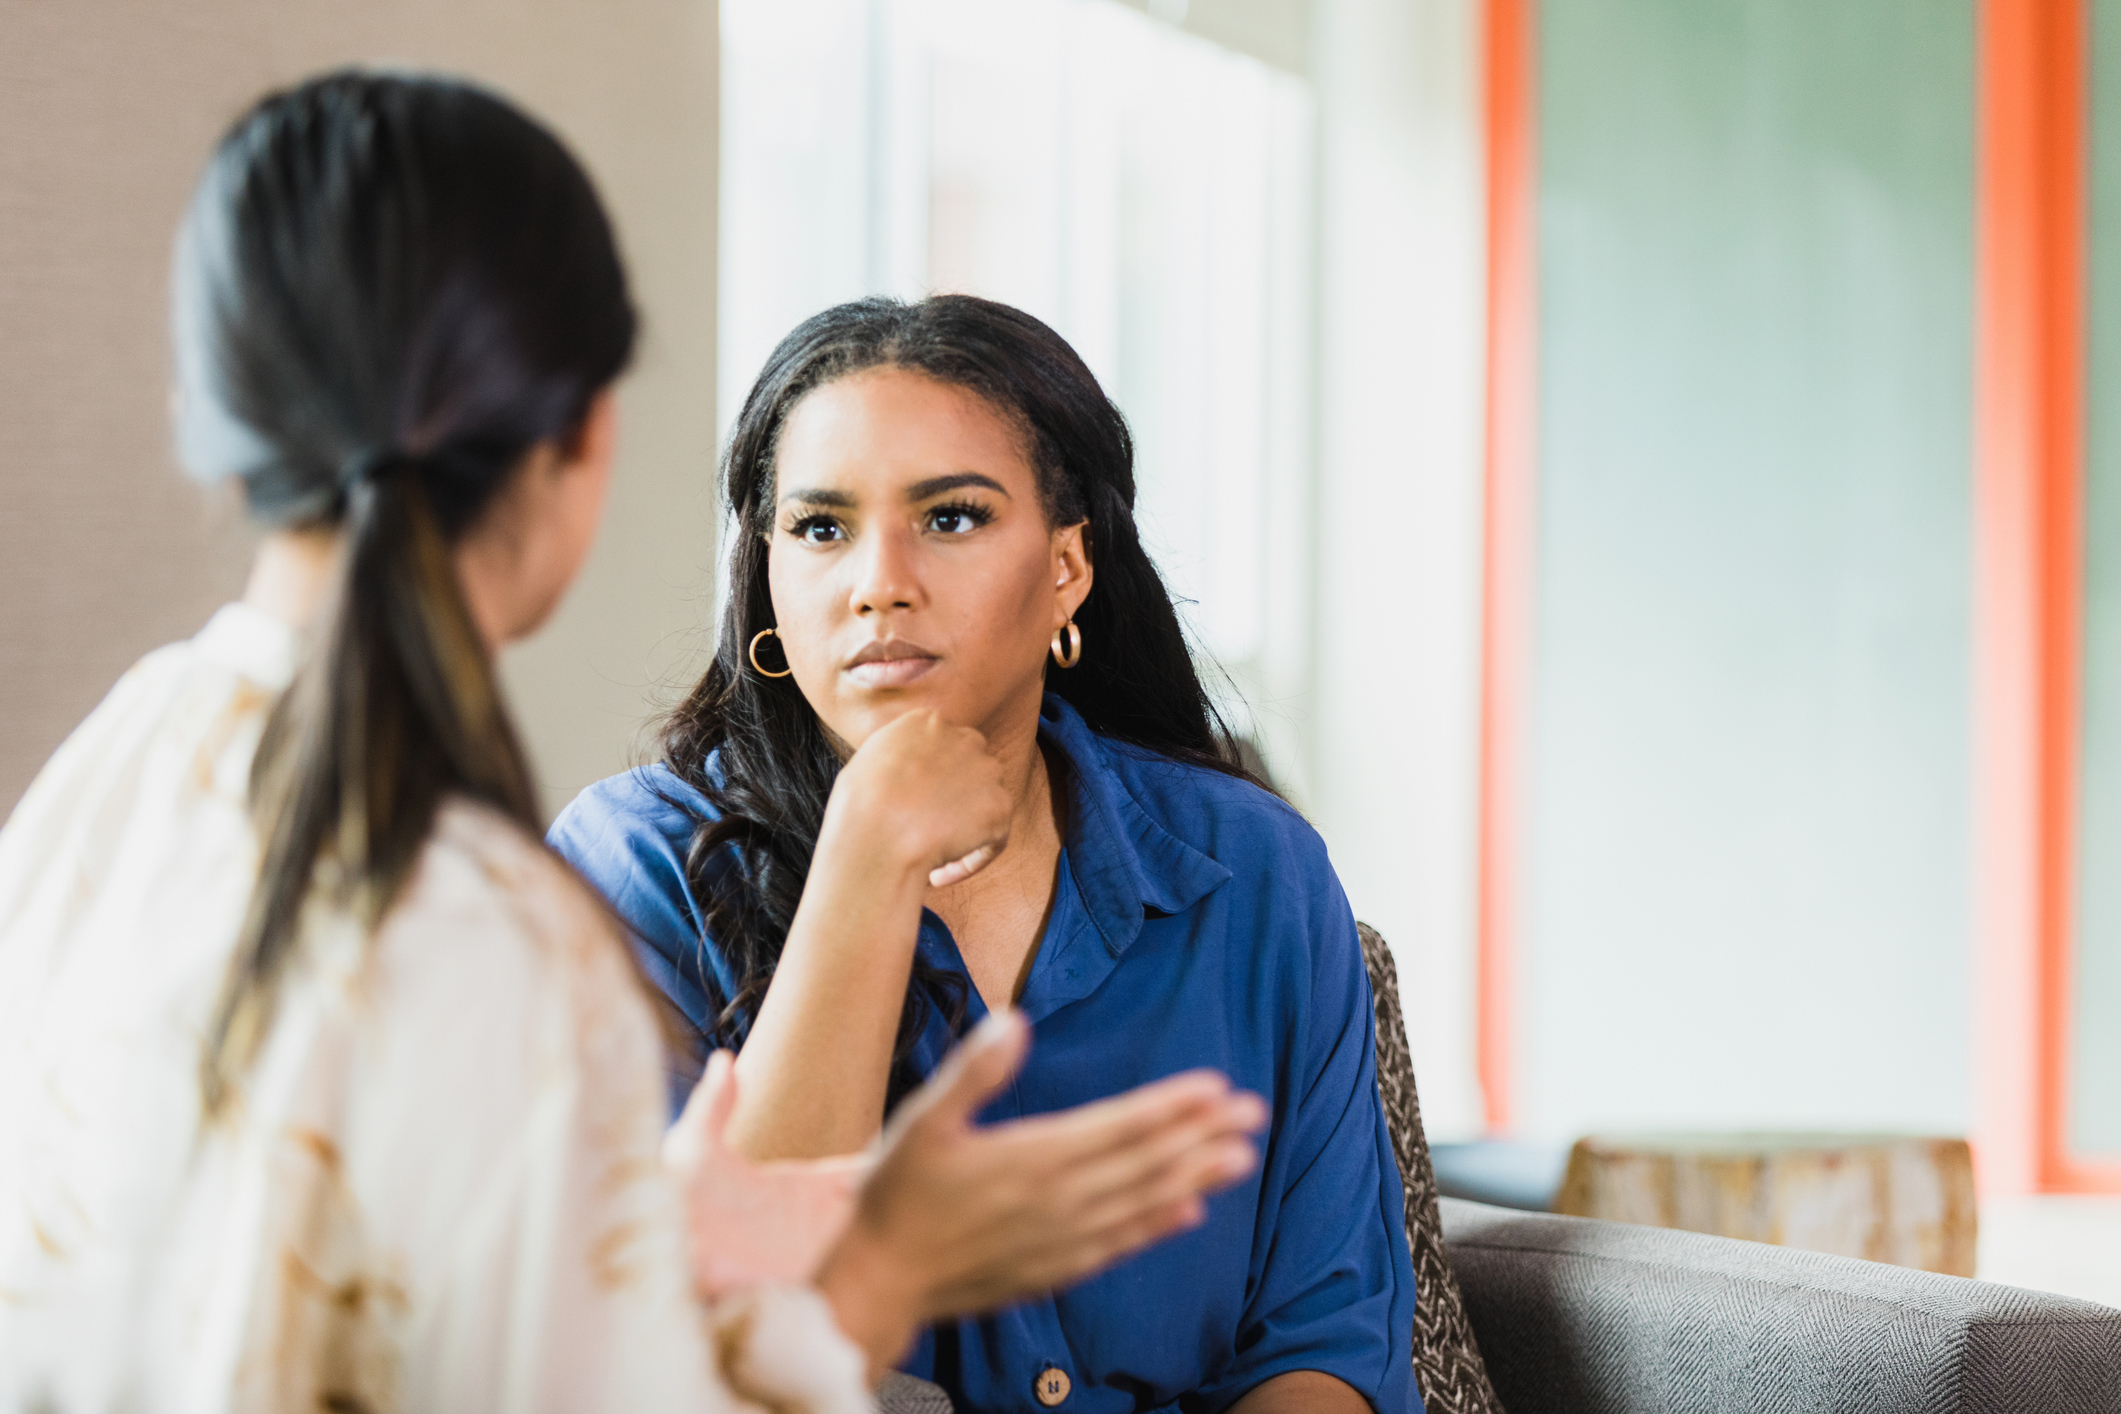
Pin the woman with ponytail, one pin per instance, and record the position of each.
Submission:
(323, 1084)
(952, 757)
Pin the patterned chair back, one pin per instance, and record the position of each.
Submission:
(1447, 1365)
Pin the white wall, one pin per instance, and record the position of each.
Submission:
(1276, 31)
(1395, 733)
(107, 111)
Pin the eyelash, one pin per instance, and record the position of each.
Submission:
(979, 515)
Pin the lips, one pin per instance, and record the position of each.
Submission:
(890, 662)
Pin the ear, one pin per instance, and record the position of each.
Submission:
(593, 447)
(1072, 570)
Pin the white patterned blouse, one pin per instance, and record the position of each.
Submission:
(439, 1188)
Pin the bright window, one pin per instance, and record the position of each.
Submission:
(1146, 192)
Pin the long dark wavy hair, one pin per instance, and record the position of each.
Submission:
(754, 748)
(389, 289)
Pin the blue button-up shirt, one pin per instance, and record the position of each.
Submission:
(1195, 922)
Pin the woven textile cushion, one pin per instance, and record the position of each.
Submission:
(903, 1394)
(1447, 1365)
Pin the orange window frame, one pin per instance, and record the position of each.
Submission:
(1507, 569)
(2029, 419)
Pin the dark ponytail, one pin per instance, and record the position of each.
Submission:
(389, 290)
(755, 749)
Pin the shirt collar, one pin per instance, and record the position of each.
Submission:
(1125, 864)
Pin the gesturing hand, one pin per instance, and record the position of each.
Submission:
(749, 1222)
(958, 1219)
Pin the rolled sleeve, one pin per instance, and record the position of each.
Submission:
(1333, 1287)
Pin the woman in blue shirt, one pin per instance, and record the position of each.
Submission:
(952, 755)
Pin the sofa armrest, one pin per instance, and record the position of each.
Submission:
(1576, 1316)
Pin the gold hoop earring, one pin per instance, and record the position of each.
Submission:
(765, 633)
(1074, 652)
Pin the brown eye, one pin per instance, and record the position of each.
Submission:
(959, 519)
(817, 530)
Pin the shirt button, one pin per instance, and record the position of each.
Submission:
(1052, 1385)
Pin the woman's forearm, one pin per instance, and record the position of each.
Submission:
(817, 1062)
(1302, 1392)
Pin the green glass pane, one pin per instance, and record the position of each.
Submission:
(2095, 1061)
(1748, 897)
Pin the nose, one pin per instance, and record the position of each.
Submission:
(886, 574)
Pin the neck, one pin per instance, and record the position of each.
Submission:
(291, 573)
(1013, 738)
(999, 914)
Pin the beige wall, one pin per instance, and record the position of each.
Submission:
(107, 109)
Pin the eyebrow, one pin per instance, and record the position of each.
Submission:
(837, 500)
(918, 491)
(937, 485)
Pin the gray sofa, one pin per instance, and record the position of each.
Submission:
(1581, 1317)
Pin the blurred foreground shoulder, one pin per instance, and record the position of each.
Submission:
(494, 886)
